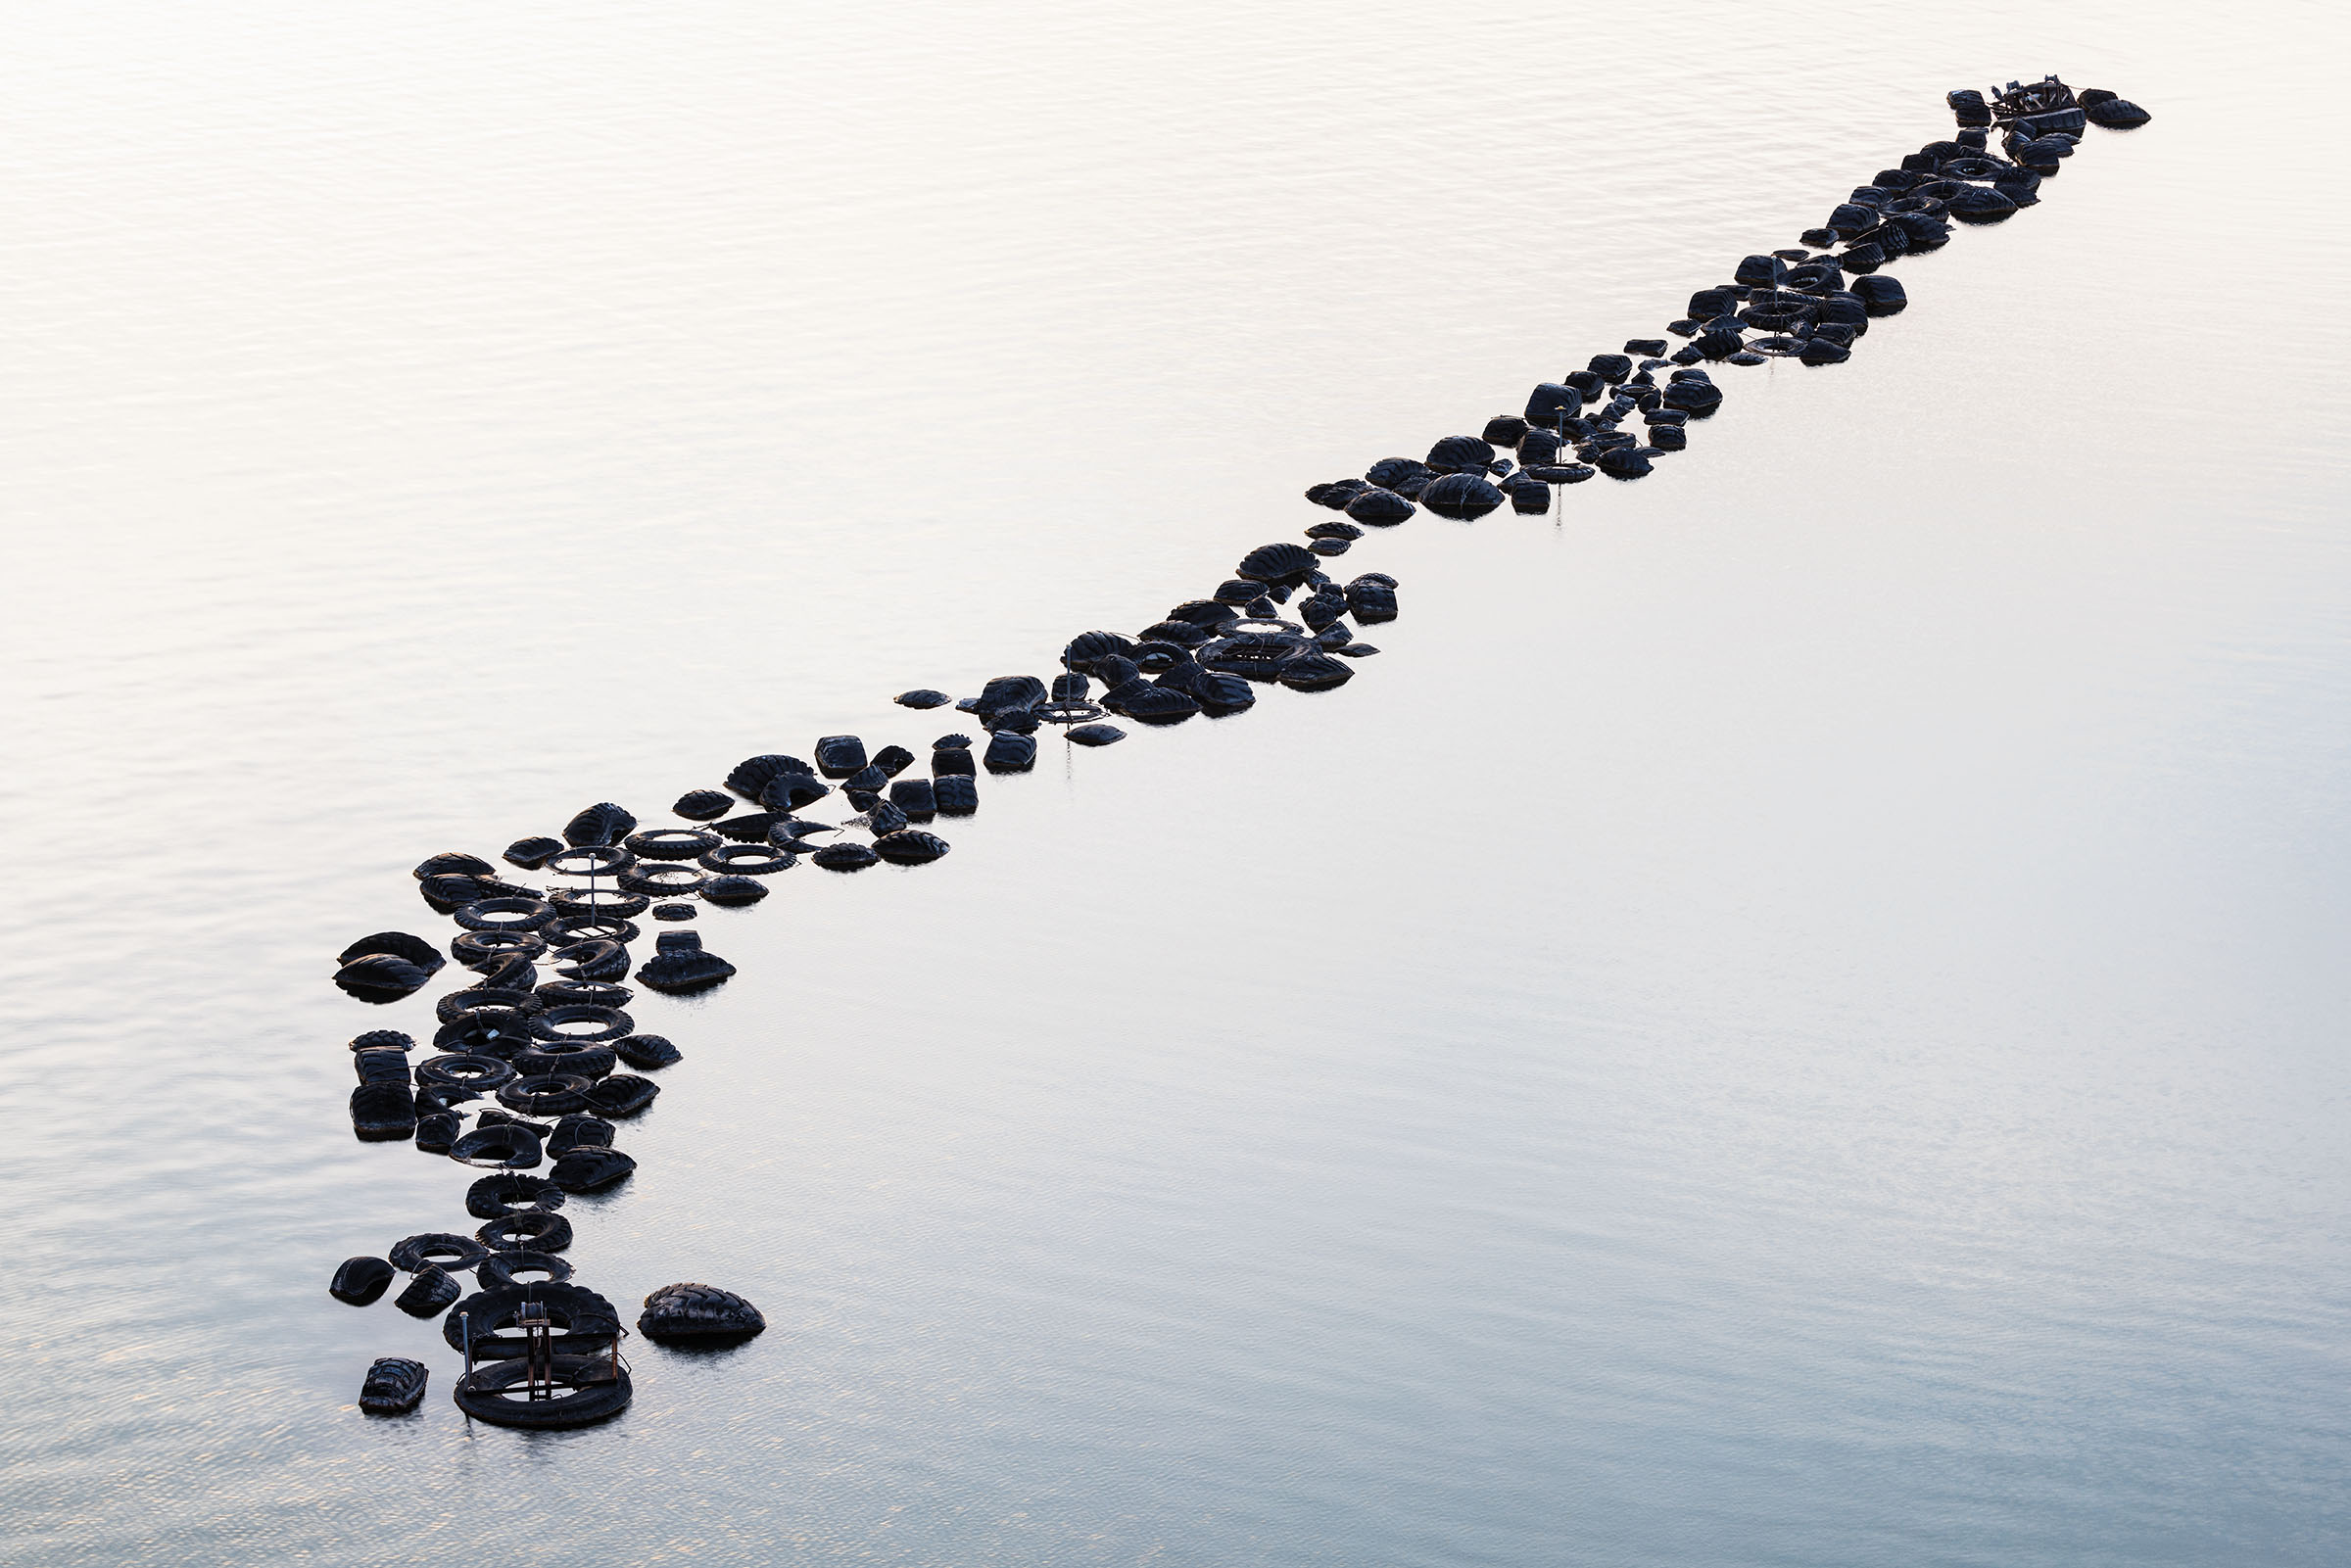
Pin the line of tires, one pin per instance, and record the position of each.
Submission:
(548, 1051)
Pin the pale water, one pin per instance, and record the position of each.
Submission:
(1795, 1016)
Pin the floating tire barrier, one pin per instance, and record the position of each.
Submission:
(437, 1249)
(361, 1281)
(549, 1049)
(394, 1386)
(578, 1391)
(691, 1314)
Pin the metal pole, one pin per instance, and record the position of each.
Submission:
(465, 1321)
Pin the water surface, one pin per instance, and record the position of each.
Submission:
(1793, 1016)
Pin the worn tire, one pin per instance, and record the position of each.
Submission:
(689, 1313)
(545, 1094)
(502, 1146)
(496, 1197)
(611, 1024)
(497, 1271)
(437, 1249)
(529, 1229)
(591, 1170)
(595, 1395)
(361, 1281)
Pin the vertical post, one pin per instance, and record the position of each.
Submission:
(465, 1321)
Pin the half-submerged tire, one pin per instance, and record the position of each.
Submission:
(1380, 508)
(600, 823)
(648, 1053)
(910, 846)
(956, 795)
(532, 853)
(398, 944)
(922, 697)
(495, 1197)
(676, 974)
(383, 1111)
(1314, 672)
(704, 805)
(394, 1386)
(1008, 752)
(588, 1389)
(846, 856)
(428, 1294)
(361, 1281)
(591, 1169)
(1464, 498)
(689, 1313)
(732, 892)
(1096, 735)
(502, 1145)
(621, 1095)
(381, 978)
(670, 843)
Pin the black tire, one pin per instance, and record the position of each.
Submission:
(497, 1271)
(689, 1313)
(585, 1323)
(591, 1169)
(591, 1392)
(383, 1111)
(589, 1062)
(380, 1065)
(498, 1032)
(394, 1386)
(399, 944)
(674, 912)
(910, 846)
(916, 797)
(592, 859)
(437, 1249)
(670, 843)
(732, 892)
(704, 805)
(545, 1094)
(580, 1131)
(598, 904)
(678, 974)
(453, 863)
(505, 915)
(622, 1095)
(429, 1293)
(587, 927)
(455, 1005)
(473, 949)
(746, 860)
(610, 1023)
(496, 1197)
(1097, 734)
(593, 960)
(361, 1281)
(581, 993)
(922, 697)
(382, 978)
(437, 1130)
(501, 1146)
(648, 1053)
(845, 857)
(600, 823)
(531, 853)
(527, 1230)
(957, 794)
(478, 1075)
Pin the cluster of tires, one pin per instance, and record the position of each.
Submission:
(1811, 302)
(548, 1051)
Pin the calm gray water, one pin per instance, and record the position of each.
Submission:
(1795, 1016)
